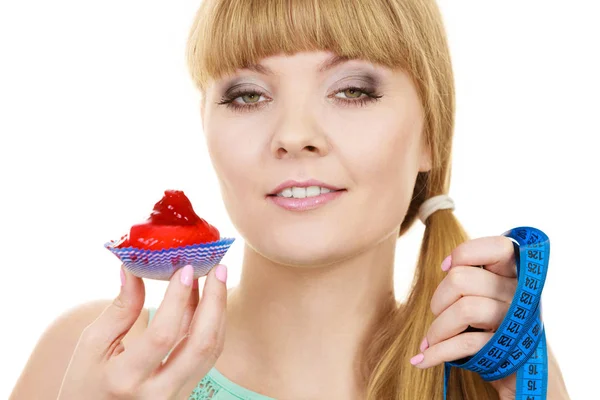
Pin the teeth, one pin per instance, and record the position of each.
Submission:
(301, 192)
(298, 193)
(313, 191)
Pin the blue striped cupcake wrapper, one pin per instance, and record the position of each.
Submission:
(161, 264)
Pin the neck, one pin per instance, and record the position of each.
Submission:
(299, 325)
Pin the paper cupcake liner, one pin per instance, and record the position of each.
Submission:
(161, 264)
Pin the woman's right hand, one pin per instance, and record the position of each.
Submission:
(102, 368)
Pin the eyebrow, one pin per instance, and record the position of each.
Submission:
(326, 65)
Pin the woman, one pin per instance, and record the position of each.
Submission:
(329, 125)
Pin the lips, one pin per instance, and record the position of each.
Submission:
(307, 203)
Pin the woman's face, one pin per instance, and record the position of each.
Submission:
(291, 120)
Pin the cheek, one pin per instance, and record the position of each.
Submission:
(235, 150)
(383, 159)
(382, 151)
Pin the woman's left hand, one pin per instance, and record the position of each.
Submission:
(476, 297)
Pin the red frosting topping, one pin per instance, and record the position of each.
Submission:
(172, 223)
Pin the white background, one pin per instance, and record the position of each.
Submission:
(98, 116)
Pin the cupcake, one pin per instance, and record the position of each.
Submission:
(172, 237)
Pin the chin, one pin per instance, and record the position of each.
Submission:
(306, 248)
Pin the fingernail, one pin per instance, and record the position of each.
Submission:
(446, 263)
(195, 284)
(122, 277)
(417, 359)
(187, 275)
(424, 345)
(221, 273)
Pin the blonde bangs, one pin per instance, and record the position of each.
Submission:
(231, 34)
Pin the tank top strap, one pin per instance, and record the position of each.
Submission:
(215, 386)
(151, 312)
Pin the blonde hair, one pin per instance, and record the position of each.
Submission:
(406, 34)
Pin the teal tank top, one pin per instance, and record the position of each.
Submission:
(215, 386)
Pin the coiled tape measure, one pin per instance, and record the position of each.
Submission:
(519, 344)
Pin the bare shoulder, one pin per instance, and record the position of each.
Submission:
(45, 368)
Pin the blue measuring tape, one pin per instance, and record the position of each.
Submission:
(519, 344)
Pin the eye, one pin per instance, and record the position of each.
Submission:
(252, 97)
(356, 93)
(352, 93)
(249, 97)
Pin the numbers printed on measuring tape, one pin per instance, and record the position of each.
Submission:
(519, 344)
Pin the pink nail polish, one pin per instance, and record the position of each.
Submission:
(446, 263)
(221, 273)
(187, 275)
(417, 359)
(424, 345)
(122, 277)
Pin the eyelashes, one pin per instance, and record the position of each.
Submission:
(370, 96)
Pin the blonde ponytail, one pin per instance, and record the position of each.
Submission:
(391, 376)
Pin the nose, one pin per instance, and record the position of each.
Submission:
(299, 136)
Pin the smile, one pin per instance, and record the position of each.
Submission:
(304, 199)
(303, 192)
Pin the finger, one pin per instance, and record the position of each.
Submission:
(477, 312)
(468, 281)
(197, 353)
(496, 253)
(190, 309)
(118, 318)
(455, 348)
(147, 353)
